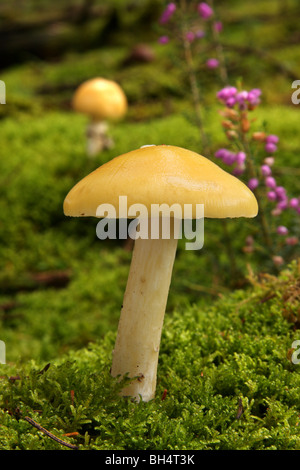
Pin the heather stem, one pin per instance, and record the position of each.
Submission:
(193, 82)
(219, 50)
(252, 174)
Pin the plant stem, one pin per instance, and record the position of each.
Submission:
(219, 50)
(252, 174)
(193, 81)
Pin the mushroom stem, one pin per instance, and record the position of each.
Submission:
(142, 315)
(97, 138)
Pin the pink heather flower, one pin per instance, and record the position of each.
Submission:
(204, 10)
(229, 158)
(230, 102)
(270, 182)
(241, 99)
(227, 92)
(273, 139)
(239, 169)
(281, 192)
(242, 96)
(253, 96)
(190, 36)
(294, 202)
(220, 153)
(240, 157)
(266, 170)
(272, 196)
(269, 161)
(218, 26)
(199, 34)
(270, 147)
(163, 40)
(245, 98)
(212, 63)
(168, 12)
(291, 241)
(276, 211)
(278, 260)
(283, 204)
(228, 96)
(282, 230)
(226, 156)
(253, 183)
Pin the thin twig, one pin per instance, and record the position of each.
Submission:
(49, 434)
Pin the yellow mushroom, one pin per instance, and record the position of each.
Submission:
(154, 175)
(102, 100)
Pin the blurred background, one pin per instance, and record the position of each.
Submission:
(60, 287)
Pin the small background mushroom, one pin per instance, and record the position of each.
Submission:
(101, 100)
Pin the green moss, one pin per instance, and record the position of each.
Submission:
(226, 367)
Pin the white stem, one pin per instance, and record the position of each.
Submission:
(139, 332)
(97, 138)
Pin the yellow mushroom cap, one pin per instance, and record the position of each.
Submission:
(162, 174)
(100, 99)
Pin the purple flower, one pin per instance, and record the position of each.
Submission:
(240, 158)
(253, 97)
(226, 156)
(228, 96)
(270, 147)
(253, 183)
(283, 204)
(229, 158)
(199, 34)
(266, 170)
(190, 36)
(163, 40)
(294, 202)
(230, 102)
(256, 91)
(218, 26)
(270, 182)
(281, 192)
(168, 12)
(272, 196)
(227, 92)
(272, 139)
(242, 96)
(239, 169)
(282, 230)
(212, 63)
(219, 153)
(204, 10)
